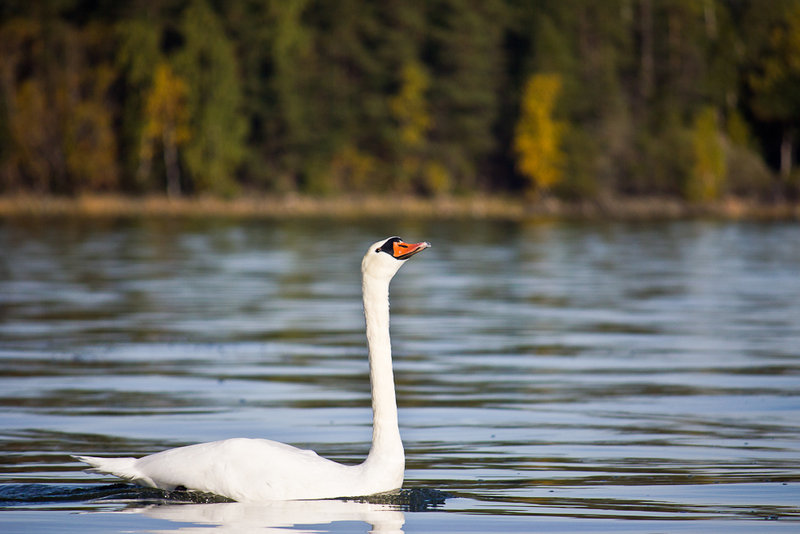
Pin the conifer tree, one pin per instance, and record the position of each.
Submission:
(137, 55)
(465, 58)
(217, 129)
(775, 80)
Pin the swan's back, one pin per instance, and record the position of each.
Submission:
(241, 469)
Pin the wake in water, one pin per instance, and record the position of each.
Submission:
(22, 495)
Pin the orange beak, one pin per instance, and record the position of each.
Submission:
(403, 251)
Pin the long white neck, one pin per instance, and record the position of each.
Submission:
(387, 447)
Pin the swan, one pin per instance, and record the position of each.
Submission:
(253, 470)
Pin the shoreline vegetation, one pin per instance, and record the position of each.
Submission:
(351, 206)
(632, 108)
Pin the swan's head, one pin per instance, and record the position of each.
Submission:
(385, 257)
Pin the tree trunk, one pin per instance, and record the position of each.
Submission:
(171, 164)
(787, 148)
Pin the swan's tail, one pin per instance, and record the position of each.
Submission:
(121, 467)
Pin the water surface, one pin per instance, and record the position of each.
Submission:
(551, 376)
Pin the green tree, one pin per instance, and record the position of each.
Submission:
(465, 57)
(207, 63)
(359, 50)
(775, 79)
(410, 109)
(380, 95)
(706, 181)
(138, 54)
(273, 47)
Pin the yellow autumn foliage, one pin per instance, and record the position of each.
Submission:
(409, 106)
(410, 109)
(56, 129)
(538, 135)
(167, 122)
(166, 108)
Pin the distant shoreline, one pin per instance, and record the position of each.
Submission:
(474, 206)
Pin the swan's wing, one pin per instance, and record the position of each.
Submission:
(241, 469)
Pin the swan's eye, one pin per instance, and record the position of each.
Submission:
(378, 250)
(388, 246)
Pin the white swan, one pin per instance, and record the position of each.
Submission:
(252, 470)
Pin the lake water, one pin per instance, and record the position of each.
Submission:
(564, 377)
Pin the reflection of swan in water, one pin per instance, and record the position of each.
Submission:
(261, 470)
(277, 516)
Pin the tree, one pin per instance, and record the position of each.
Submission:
(538, 135)
(410, 109)
(55, 81)
(91, 143)
(207, 63)
(464, 54)
(706, 181)
(391, 95)
(167, 122)
(590, 46)
(776, 77)
(272, 48)
(138, 54)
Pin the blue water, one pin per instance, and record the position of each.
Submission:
(586, 377)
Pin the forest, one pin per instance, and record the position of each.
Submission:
(577, 99)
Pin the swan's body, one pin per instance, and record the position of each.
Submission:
(260, 469)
